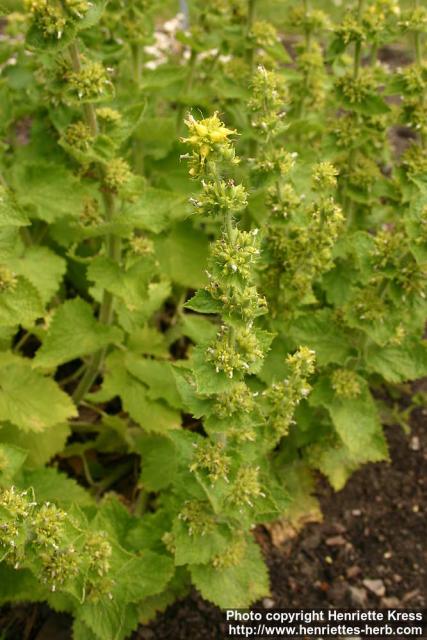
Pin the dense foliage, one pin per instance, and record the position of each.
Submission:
(213, 251)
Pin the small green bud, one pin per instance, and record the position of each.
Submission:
(218, 198)
(59, 566)
(311, 20)
(415, 20)
(238, 400)
(269, 98)
(90, 83)
(234, 351)
(355, 90)
(117, 174)
(48, 525)
(50, 17)
(238, 257)
(264, 34)
(99, 551)
(324, 176)
(211, 458)
(302, 361)
(91, 215)
(79, 135)
(8, 279)
(283, 201)
(346, 383)
(245, 303)
(414, 160)
(198, 517)
(106, 114)
(232, 556)
(141, 246)
(350, 29)
(246, 487)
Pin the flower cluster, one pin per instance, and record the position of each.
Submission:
(268, 101)
(79, 136)
(324, 176)
(90, 83)
(52, 16)
(90, 216)
(235, 351)
(238, 257)
(354, 90)
(117, 174)
(211, 459)
(210, 141)
(282, 398)
(301, 238)
(8, 279)
(350, 29)
(233, 555)
(220, 197)
(46, 540)
(346, 383)
(237, 348)
(198, 517)
(238, 399)
(246, 488)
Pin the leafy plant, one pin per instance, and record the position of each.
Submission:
(212, 262)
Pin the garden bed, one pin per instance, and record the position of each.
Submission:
(368, 552)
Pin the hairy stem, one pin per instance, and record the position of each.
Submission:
(250, 47)
(358, 45)
(137, 151)
(136, 54)
(187, 88)
(348, 205)
(106, 311)
(419, 60)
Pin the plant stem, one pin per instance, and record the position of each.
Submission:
(187, 88)
(358, 45)
(250, 47)
(106, 312)
(419, 60)
(137, 60)
(417, 40)
(118, 472)
(76, 374)
(307, 38)
(349, 204)
(136, 52)
(229, 227)
(88, 108)
(22, 342)
(113, 247)
(250, 58)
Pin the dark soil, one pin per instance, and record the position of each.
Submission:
(373, 530)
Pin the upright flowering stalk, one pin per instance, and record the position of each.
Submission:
(360, 134)
(239, 346)
(411, 82)
(229, 484)
(82, 85)
(308, 89)
(301, 229)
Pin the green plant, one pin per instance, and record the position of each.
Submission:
(211, 259)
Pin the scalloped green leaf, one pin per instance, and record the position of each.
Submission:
(29, 400)
(73, 333)
(236, 586)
